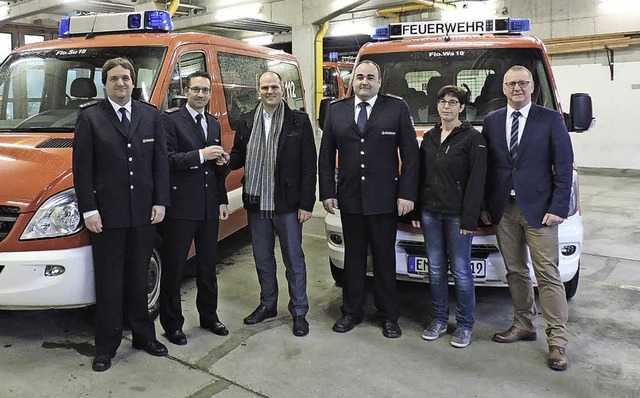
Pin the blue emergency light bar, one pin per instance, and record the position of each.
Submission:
(147, 21)
(448, 28)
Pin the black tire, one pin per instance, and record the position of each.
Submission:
(153, 284)
(337, 274)
(571, 287)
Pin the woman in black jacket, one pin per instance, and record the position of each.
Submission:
(453, 161)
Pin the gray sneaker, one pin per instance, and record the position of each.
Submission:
(461, 338)
(434, 330)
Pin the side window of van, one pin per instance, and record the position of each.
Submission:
(240, 75)
(187, 64)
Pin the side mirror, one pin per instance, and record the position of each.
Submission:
(322, 112)
(580, 117)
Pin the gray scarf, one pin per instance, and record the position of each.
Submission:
(261, 160)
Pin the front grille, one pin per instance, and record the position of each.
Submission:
(56, 143)
(415, 248)
(8, 217)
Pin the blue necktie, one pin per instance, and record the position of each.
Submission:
(126, 125)
(515, 126)
(362, 116)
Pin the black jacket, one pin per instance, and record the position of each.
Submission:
(122, 176)
(295, 179)
(197, 189)
(452, 173)
(370, 178)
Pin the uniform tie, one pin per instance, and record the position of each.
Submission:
(126, 124)
(199, 123)
(515, 126)
(362, 116)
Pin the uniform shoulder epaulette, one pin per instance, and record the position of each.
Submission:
(393, 96)
(89, 103)
(171, 110)
(335, 101)
(148, 103)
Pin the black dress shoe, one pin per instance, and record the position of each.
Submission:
(177, 337)
(260, 314)
(153, 347)
(346, 323)
(216, 327)
(300, 326)
(391, 330)
(101, 363)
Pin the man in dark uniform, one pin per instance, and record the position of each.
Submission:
(275, 146)
(367, 130)
(121, 179)
(198, 201)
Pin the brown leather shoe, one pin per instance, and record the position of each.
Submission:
(514, 334)
(557, 359)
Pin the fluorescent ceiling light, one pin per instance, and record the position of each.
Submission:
(351, 27)
(259, 40)
(619, 6)
(470, 10)
(244, 11)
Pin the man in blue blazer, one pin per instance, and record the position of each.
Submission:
(120, 173)
(367, 131)
(527, 193)
(198, 201)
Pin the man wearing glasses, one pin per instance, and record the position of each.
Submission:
(527, 193)
(197, 166)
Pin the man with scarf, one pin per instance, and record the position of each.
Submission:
(275, 146)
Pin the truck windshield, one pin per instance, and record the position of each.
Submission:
(417, 76)
(41, 90)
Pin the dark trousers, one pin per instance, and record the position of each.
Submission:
(177, 236)
(121, 266)
(289, 231)
(377, 231)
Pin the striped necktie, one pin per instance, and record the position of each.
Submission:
(515, 126)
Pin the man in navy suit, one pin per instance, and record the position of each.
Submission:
(530, 162)
(121, 177)
(198, 201)
(367, 131)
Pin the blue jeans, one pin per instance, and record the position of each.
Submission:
(448, 248)
(289, 231)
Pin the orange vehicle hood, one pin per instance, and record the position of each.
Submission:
(28, 173)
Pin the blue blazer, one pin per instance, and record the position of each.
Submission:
(542, 172)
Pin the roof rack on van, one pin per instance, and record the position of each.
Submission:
(124, 22)
(448, 28)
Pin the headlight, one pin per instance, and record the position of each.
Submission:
(574, 202)
(58, 216)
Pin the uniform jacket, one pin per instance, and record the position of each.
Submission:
(295, 179)
(122, 176)
(369, 180)
(197, 189)
(542, 172)
(452, 173)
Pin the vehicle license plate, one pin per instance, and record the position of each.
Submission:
(420, 265)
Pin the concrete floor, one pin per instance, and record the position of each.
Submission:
(48, 353)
